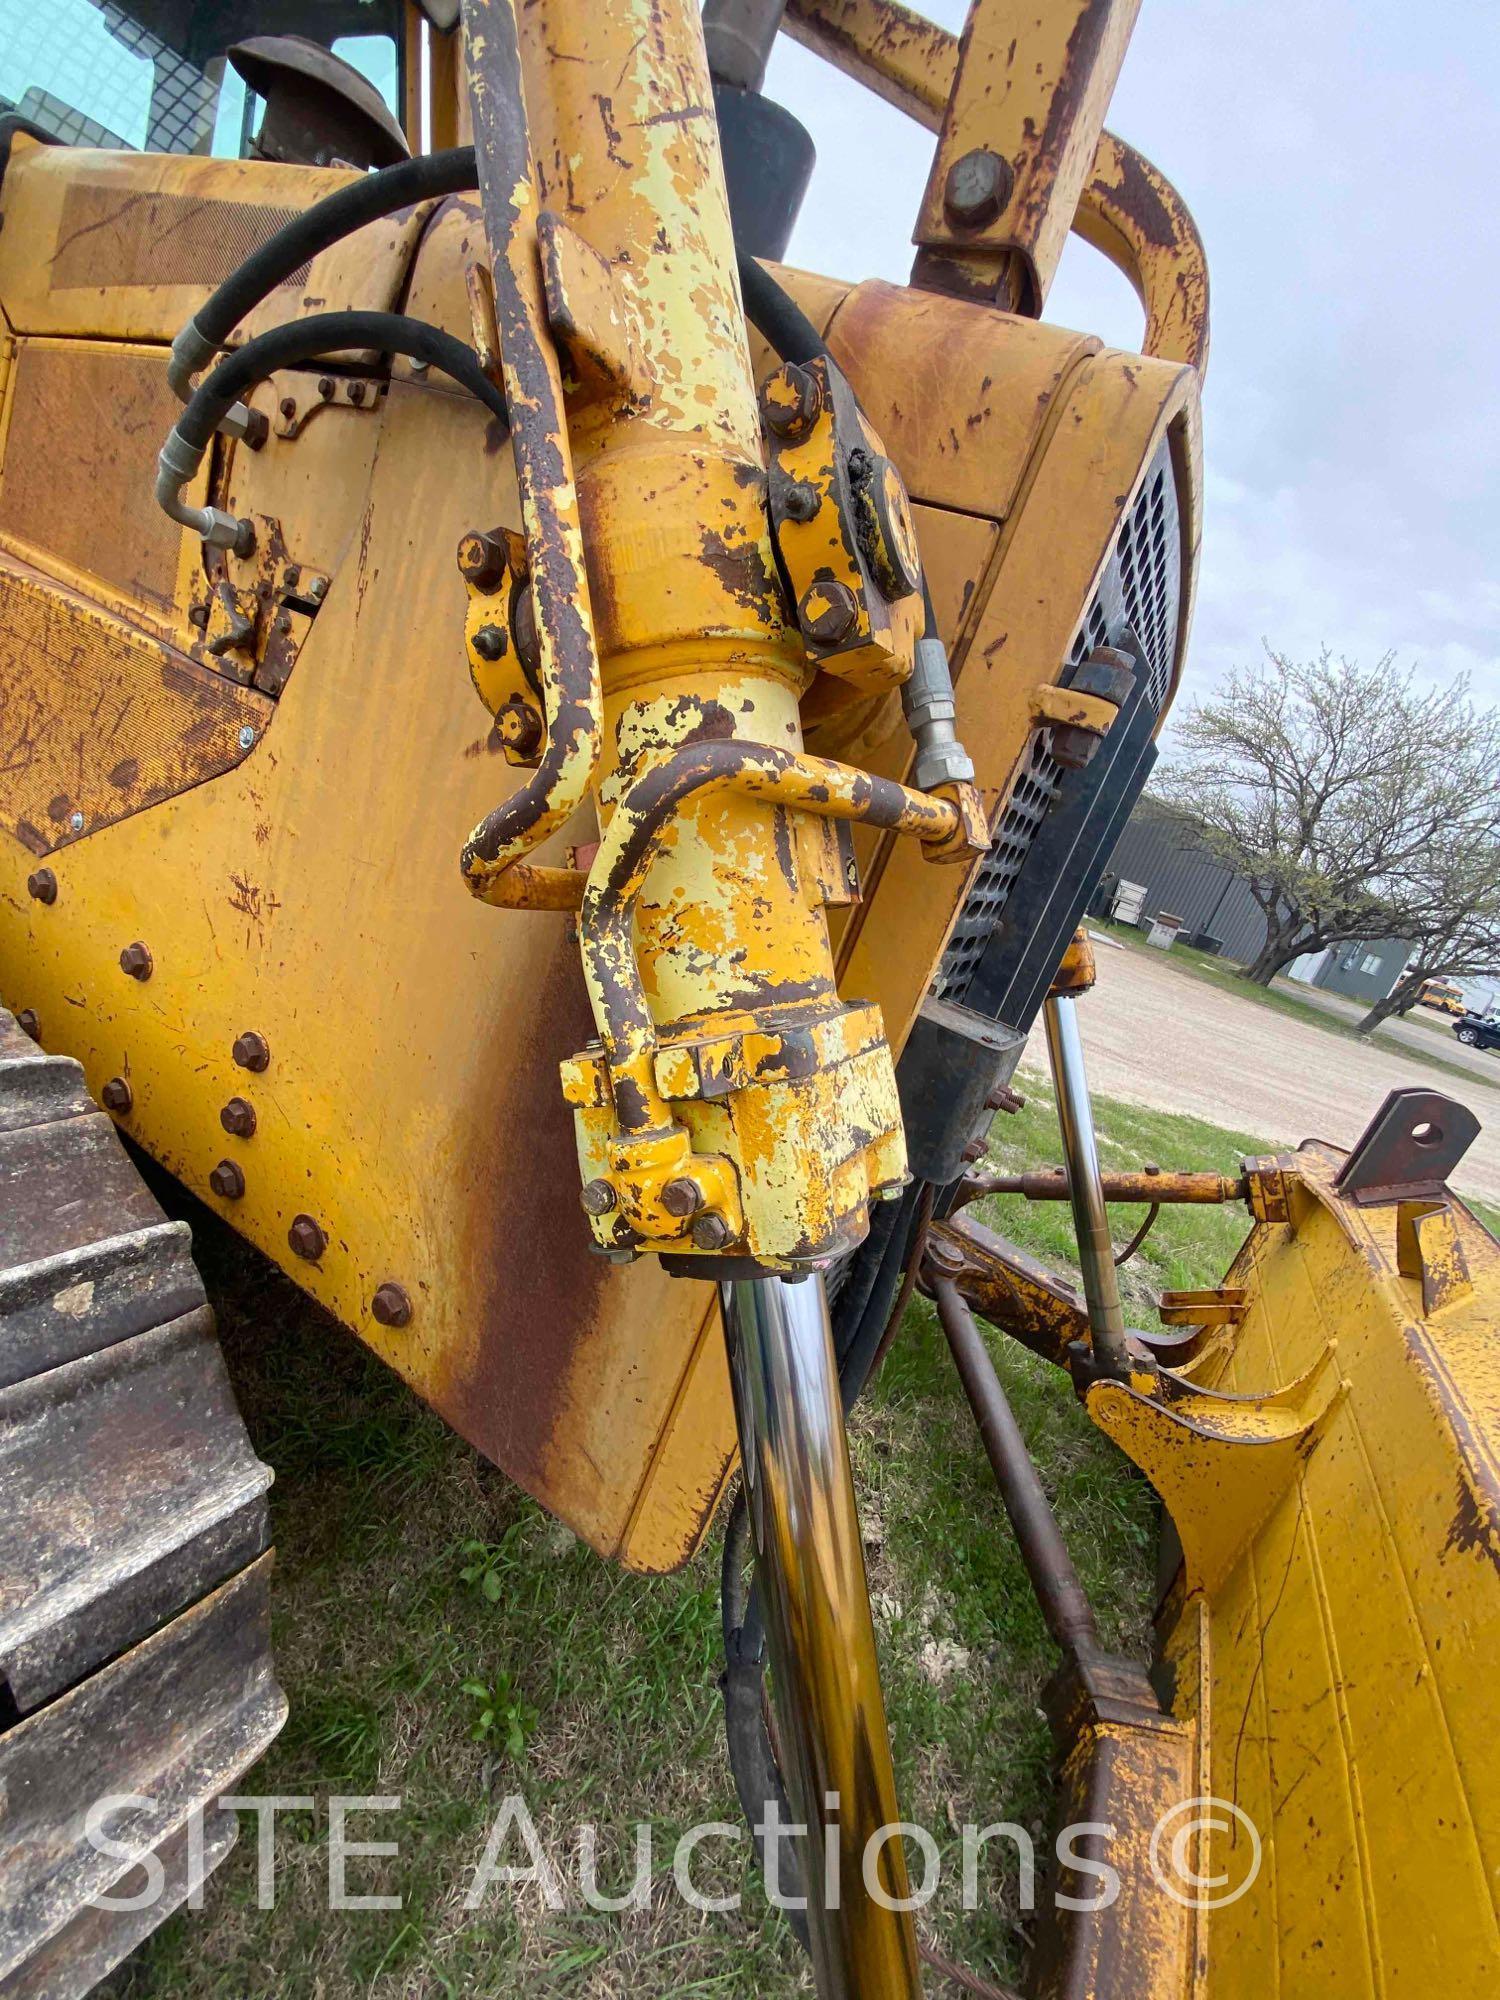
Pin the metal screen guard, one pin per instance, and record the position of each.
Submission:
(810, 1565)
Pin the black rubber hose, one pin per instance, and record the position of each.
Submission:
(325, 223)
(313, 339)
(776, 315)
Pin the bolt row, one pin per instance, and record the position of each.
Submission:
(391, 1304)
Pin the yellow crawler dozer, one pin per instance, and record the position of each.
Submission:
(548, 765)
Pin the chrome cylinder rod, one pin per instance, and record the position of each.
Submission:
(810, 1569)
(1096, 1257)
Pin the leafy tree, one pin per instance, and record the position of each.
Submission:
(1330, 787)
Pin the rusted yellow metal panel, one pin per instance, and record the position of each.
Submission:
(1338, 1619)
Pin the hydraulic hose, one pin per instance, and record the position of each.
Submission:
(290, 346)
(326, 222)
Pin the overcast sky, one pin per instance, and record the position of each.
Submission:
(1340, 160)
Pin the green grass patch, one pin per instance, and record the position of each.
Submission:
(418, 1593)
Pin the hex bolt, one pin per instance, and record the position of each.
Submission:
(391, 1305)
(307, 1238)
(711, 1231)
(481, 559)
(238, 1118)
(828, 612)
(598, 1198)
(682, 1197)
(356, 393)
(42, 886)
(247, 735)
(800, 501)
(521, 727)
(288, 405)
(317, 589)
(490, 642)
(117, 1096)
(75, 821)
(27, 1022)
(135, 961)
(790, 402)
(977, 188)
(325, 386)
(251, 1051)
(227, 1181)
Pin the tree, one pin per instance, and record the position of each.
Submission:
(1462, 933)
(1328, 787)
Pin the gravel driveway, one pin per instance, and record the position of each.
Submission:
(1157, 1036)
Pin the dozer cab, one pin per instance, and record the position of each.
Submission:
(548, 765)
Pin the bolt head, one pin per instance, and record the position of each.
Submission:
(520, 727)
(598, 1198)
(481, 559)
(977, 188)
(117, 1096)
(227, 1181)
(135, 961)
(307, 1238)
(325, 387)
(356, 393)
(828, 613)
(790, 402)
(251, 1051)
(490, 642)
(1074, 747)
(391, 1305)
(888, 1191)
(75, 821)
(238, 1118)
(710, 1230)
(26, 1021)
(247, 735)
(682, 1197)
(42, 886)
(800, 502)
(288, 405)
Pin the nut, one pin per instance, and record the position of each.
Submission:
(682, 1197)
(252, 1051)
(828, 612)
(26, 1021)
(42, 886)
(481, 559)
(1074, 747)
(519, 726)
(390, 1305)
(307, 1238)
(135, 961)
(490, 642)
(238, 1118)
(711, 1231)
(978, 187)
(117, 1096)
(800, 501)
(288, 406)
(790, 402)
(227, 1181)
(598, 1198)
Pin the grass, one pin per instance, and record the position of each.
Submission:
(1224, 974)
(441, 1639)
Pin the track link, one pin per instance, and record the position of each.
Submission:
(134, 1546)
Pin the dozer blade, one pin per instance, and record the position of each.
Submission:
(134, 1567)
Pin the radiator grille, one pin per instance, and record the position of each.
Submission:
(1139, 593)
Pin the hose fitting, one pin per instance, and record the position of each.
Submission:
(930, 709)
(177, 463)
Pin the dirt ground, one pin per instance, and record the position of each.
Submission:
(1157, 1037)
